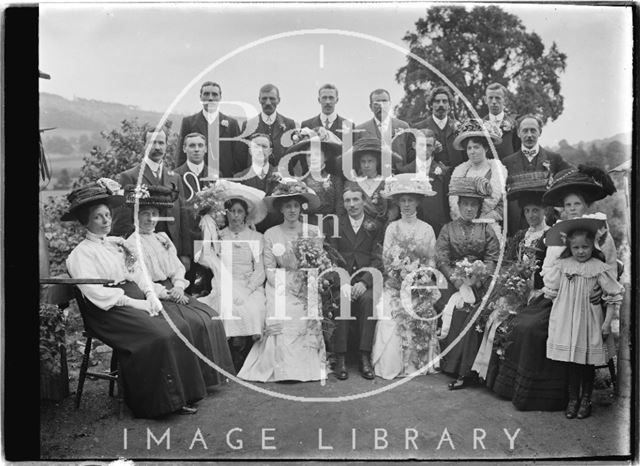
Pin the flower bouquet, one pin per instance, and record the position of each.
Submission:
(470, 273)
(210, 201)
(310, 254)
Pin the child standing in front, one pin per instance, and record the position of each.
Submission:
(576, 326)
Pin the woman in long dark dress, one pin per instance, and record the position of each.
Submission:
(161, 375)
(168, 274)
(527, 189)
(464, 238)
(526, 376)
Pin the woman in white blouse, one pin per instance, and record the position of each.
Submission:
(161, 374)
(473, 137)
(167, 272)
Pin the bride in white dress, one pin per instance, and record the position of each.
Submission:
(404, 343)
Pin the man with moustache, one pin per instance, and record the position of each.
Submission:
(269, 122)
(444, 127)
(154, 173)
(360, 244)
(383, 126)
(432, 209)
(192, 173)
(328, 118)
(496, 97)
(230, 153)
(531, 157)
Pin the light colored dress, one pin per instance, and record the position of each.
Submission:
(397, 349)
(575, 324)
(247, 274)
(298, 351)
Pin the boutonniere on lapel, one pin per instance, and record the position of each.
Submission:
(375, 198)
(437, 171)
(369, 225)
(282, 127)
(547, 165)
(224, 123)
(455, 124)
(171, 172)
(326, 184)
(506, 124)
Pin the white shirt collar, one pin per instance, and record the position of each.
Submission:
(356, 224)
(499, 117)
(259, 171)
(197, 169)
(331, 117)
(441, 123)
(210, 116)
(536, 150)
(268, 119)
(156, 168)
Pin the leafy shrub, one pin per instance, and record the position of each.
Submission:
(52, 335)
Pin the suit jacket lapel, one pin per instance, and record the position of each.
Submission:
(148, 175)
(349, 234)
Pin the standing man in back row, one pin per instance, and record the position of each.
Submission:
(328, 117)
(230, 153)
(496, 99)
(268, 122)
(444, 127)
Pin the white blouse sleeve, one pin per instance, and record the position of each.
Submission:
(176, 270)
(83, 263)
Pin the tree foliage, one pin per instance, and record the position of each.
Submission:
(474, 48)
(125, 148)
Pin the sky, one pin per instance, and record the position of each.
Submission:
(152, 55)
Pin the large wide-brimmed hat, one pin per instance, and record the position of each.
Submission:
(528, 184)
(104, 190)
(289, 189)
(463, 186)
(407, 183)
(215, 195)
(330, 145)
(477, 128)
(150, 195)
(591, 182)
(368, 145)
(556, 235)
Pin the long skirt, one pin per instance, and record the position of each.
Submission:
(526, 376)
(208, 336)
(459, 360)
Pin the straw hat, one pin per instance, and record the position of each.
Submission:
(104, 190)
(477, 128)
(556, 235)
(528, 184)
(463, 186)
(593, 183)
(290, 189)
(407, 183)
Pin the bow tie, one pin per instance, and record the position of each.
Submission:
(529, 152)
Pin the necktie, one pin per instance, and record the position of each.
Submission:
(327, 125)
(529, 152)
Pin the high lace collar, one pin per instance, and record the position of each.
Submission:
(409, 219)
(95, 238)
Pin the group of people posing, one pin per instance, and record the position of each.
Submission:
(223, 266)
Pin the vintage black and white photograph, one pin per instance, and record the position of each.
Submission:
(324, 231)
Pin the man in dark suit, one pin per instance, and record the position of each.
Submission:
(530, 158)
(261, 175)
(268, 122)
(359, 242)
(229, 152)
(495, 97)
(432, 209)
(154, 174)
(383, 126)
(192, 173)
(443, 126)
(328, 118)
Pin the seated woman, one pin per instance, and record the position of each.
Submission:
(244, 208)
(464, 238)
(400, 348)
(292, 347)
(367, 161)
(526, 376)
(472, 138)
(161, 375)
(527, 244)
(167, 272)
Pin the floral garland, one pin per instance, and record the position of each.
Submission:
(403, 258)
